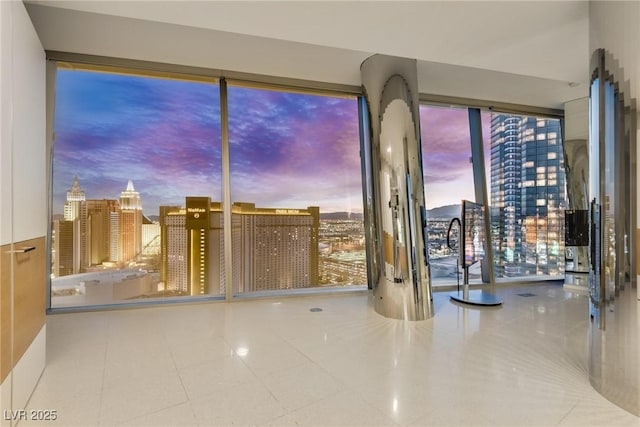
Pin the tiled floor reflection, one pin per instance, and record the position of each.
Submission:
(274, 362)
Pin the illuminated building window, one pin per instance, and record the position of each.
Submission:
(522, 236)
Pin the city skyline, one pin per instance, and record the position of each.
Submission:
(164, 135)
(149, 144)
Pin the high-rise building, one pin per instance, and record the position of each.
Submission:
(130, 223)
(192, 247)
(75, 210)
(275, 248)
(167, 224)
(198, 226)
(114, 237)
(272, 248)
(527, 195)
(63, 262)
(100, 230)
(174, 252)
(75, 197)
(150, 237)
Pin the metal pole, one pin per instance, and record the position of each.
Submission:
(226, 189)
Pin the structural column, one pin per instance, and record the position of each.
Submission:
(396, 206)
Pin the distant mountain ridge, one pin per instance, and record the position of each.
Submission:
(441, 212)
(445, 212)
(342, 215)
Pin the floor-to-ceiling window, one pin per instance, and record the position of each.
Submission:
(525, 183)
(137, 194)
(448, 179)
(138, 210)
(527, 196)
(296, 191)
(136, 188)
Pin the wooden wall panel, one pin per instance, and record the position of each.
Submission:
(28, 299)
(29, 295)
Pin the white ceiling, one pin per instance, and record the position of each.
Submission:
(519, 52)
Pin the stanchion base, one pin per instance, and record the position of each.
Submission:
(477, 298)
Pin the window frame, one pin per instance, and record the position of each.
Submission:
(222, 77)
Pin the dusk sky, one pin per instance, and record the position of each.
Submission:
(292, 150)
(159, 133)
(446, 150)
(287, 150)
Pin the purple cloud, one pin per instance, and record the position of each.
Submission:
(159, 133)
(286, 149)
(294, 150)
(446, 154)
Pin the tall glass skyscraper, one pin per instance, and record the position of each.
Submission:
(527, 195)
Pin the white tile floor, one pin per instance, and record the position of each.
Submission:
(273, 362)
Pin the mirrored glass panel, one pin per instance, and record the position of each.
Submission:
(608, 199)
(136, 189)
(296, 191)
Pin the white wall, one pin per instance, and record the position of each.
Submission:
(576, 119)
(22, 126)
(519, 37)
(615, 26)
(23, 209)
(5, 119)
(28, 129)
(461, 61)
